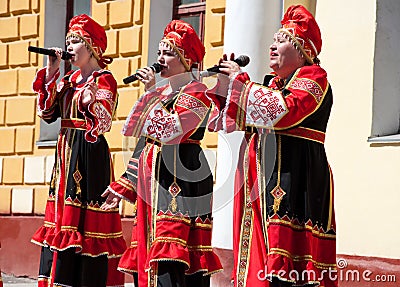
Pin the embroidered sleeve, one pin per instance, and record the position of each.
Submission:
(189, 112)
(307, 88)
(215, 121)
(251, 104)
(234, 111)
(46, 95)
(265, 106)
(98, 115)
(139, 112)
(125, 187)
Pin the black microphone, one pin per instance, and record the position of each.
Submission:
(43, 51)
(242, 61)
(156, 67)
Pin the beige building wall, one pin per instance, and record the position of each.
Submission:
(365, 175)
(20, 26)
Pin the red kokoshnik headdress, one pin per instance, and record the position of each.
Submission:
(183, 39)
(93, 34)
(300, 25)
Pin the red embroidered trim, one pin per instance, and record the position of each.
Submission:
(188, 141)
(73, 124)
(306, 133)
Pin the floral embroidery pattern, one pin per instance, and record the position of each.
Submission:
(193, 104)
(265, 106)
(309, 86)
(103, 117)
(162, 125)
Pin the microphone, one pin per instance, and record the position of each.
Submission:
(156, 67)
(242, 61)
(43, 51)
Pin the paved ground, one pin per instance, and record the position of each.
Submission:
(11, 281)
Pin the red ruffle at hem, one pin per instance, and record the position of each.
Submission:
(93, 247)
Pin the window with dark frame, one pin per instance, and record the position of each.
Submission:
(385, 128)
(192, 12)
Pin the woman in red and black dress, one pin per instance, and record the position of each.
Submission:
(168, 177)
(81, 242)
(284, 220)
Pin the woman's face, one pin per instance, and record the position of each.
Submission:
(283, 56)
(170, 61)
(80, 53)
